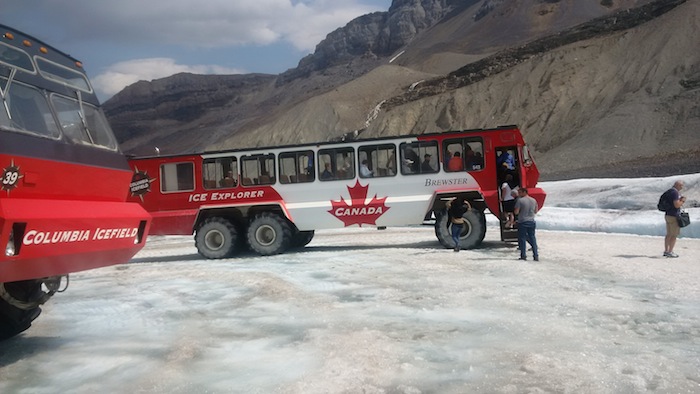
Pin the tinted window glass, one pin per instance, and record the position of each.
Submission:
(220, 173)
(28, 110)
(176, 177)
(419, 158)
(258, 170)
(15, 58)
(62, 74)
(336, 164)
(464, 154)
(297, 167)
(94, 130)
(377, 160)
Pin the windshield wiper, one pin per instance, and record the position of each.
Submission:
(81, 114)
(3, 92)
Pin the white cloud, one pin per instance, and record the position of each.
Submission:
(210, 23)
(159, 30)
(122, 74)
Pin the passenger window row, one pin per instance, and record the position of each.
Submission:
(329, 164)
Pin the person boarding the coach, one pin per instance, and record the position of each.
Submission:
(672, 213)
(456, 208)
(525, 209)
(508, 199)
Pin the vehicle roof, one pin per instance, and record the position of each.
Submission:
(444, 134)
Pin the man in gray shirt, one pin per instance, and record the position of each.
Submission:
(526, 208)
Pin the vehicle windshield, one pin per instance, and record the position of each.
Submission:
(24, 108)
(83, 123)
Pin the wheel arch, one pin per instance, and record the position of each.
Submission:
(238, 214)
(475, 197)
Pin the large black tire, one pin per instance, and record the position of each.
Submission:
(269, 234)
(473, 230)
(216, 238)
(302, 238)
(14, 320)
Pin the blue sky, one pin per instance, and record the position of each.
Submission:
(121, 42)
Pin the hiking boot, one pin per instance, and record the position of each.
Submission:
(523, 258)
(536, 258)
(456, 248)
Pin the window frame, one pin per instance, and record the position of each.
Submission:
(103, 130)
(17, 66)
(367, 150)
(233, 165)
(47, 111)
(422, 147)
(308, 176)
(176, 164)
(271, 169)
(47, 74)
(465, 141)
(345, 152)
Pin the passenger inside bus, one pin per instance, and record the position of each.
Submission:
(455, 163)
(410, 162)
(365, 172)
(327, 173)
(426, 166)
(391, 164)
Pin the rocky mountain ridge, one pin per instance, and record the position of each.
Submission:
(457, 71)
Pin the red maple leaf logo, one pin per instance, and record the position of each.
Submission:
(357, 212)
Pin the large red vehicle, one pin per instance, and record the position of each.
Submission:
(275, 198)
(63, 180)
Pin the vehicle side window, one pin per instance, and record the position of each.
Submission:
(419, 158)
(377, 160)
(219, 173)
(177, 177)
(258, 170)
(463, 154)
(297, 167)
(336, 164)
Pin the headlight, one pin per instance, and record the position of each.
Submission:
(10, 248)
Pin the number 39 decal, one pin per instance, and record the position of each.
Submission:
(10, 177)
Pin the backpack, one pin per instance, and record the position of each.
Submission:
(665, 203)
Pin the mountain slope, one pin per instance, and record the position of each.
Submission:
(455, 69)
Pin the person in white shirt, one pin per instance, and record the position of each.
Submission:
(365, 172)
(508, 201)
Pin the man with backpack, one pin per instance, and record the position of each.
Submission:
(671, 202)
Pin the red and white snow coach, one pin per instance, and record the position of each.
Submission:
(274, 198)
(63, 180)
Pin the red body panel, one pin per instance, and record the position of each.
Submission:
(175, 213)
(48, 179)
(67, 236)
(66, 217)
(179, 222)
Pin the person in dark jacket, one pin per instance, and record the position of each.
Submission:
(672, 227)
(456, 209)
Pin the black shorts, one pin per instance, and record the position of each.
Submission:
(509, 206)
